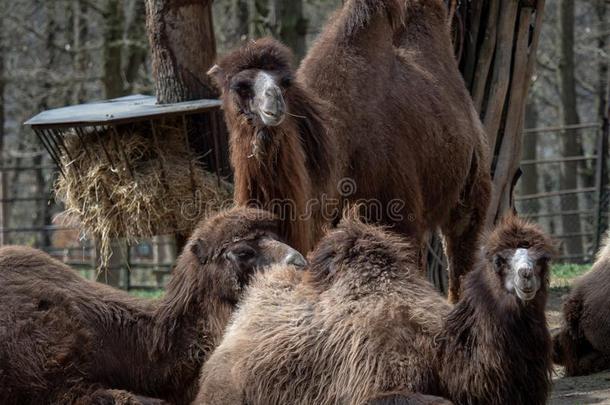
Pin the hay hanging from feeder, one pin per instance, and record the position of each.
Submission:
(140, 183)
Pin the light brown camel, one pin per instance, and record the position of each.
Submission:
(67, 340)
(361, 321)
(377, 113)
(582, 344)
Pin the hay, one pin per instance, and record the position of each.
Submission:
(163, 189)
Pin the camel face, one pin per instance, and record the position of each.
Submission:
(523, 271)
(268, 101)
(230, 247)
(519, 253)
(249, 255)
(256, 94)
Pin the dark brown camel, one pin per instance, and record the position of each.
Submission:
(377, 113)
(66, 340)
(361, 321)
(582, 344)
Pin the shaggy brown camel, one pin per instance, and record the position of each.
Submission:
(582, 344)
(361, 321)
(377, 113)
(67, 340)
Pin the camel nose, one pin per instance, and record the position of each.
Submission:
(525, 272)
(294, 258)
(274, 101)
(273, 91)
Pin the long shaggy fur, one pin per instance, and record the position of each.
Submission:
(494, 349)
(582, 344)
(67, 340)
(361, 323)
(379, 100)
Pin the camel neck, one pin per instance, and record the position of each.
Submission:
(190, 309)
(187, 324)
(491, 336)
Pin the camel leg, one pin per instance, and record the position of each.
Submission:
(593, 362)
(461, 233)
(461, 243)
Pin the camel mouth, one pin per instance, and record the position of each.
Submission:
(525, 294)
(272, 119)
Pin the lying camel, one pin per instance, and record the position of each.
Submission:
(67, 340)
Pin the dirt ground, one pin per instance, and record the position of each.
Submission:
(591, 389)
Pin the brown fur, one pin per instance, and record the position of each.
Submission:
(65, 340)
(361, 322)
(582, 344)
(379, 99)
(399, 398)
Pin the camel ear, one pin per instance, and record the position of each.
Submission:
(199, 250)
(217, 74)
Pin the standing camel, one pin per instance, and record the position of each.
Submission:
(376, 113)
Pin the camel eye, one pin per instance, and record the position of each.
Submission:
(543, 260)
(241, 253)
(242, 88)
(286, 82)
(499, 262)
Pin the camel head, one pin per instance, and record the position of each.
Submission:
(519, 253)
(230, 247)
(253, 81)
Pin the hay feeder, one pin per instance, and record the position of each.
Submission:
(131, 168)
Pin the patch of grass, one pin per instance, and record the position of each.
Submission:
(562, 274)
(152, 294)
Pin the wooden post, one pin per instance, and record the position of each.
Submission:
(497, 60)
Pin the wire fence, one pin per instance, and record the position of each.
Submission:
(31, 216)
(576, 216)
(564, 186)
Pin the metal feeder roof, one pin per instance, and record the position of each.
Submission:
(93, 119)
(125, 109)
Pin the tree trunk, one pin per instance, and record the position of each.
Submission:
(232, 17)
(570, 142)
(181, 37)
(602, 67)
(288, 24)
(80, 33)
(3, 188)
(603, 113)
(42, 213)
(113, 36)
(529, 181)
(136, 50)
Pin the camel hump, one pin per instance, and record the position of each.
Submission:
(360, 13)
(15, 256)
